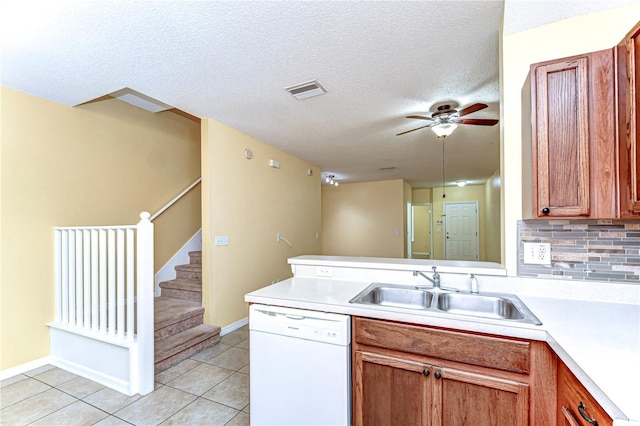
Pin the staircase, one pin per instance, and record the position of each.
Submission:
(179, 329)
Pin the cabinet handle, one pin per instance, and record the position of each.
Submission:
(546, 210)
(438, 375)
(426, 372)
(570, 417)
(581, 408)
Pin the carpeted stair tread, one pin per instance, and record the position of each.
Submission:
(195, 257)
(190, 271)
(189, 267)
(171, 346)
(168, 310)
(182, 284)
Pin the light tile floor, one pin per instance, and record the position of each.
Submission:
(210, 388)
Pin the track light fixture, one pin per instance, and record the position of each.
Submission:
(331, 180)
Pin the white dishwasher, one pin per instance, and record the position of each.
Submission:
(299, 367)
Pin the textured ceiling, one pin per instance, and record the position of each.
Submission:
(230, 61)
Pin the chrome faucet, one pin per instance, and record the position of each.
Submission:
(435, 280)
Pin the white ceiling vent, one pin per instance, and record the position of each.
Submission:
(306, 90)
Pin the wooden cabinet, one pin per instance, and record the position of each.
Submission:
(414, 375)
(390, 390)
(573, 137)
(576, 407)
(628, 77)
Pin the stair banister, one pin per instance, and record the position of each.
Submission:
(104, 296)
(175, 199)
(145, 291)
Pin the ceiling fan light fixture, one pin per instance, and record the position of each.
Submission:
(461, 182)
(443, 130)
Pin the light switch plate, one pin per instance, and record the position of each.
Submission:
(222, 240)
(537, 253)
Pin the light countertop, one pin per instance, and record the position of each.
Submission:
(598, 340)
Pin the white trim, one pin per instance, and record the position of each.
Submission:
(102, 337)
(23, 368)
(168, 272)
(233, 327)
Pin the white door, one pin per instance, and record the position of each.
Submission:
(461, 231)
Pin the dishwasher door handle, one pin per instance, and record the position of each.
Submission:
(295, 317)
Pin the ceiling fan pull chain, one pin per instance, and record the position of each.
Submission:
(443, 193)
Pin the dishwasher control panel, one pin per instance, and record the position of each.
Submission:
(302, 324)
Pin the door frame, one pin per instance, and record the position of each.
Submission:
(413, 229)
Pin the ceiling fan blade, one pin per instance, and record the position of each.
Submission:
(471, 108)
(479, 121)
(418, 117)
(413, 130)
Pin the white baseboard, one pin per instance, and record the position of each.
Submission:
(233, 327)
(23, 368)
(167, 272)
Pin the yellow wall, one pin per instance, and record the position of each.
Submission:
(251, 203)
(97, 164)
(581, 34)
(456, 194)
(421, 195)
(492, 237)
(364, 219)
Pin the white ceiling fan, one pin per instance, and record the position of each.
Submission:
(445, 120)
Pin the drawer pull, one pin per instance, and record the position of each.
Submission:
(581, 408)
(426, 372)
(438, 375)
(570, 417)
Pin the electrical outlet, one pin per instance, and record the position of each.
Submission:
(323, 271)
(537, 253)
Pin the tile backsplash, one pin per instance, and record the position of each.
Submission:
(599, 250)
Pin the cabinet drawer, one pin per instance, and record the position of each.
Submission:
(572, 395)
(484, 351)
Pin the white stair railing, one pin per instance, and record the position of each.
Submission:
(104, 289)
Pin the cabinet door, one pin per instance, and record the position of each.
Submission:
(389, 391)
(463, 398)
(561, 138)
(574, 145)
(628, 67)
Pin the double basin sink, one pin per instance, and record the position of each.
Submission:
(499, 306)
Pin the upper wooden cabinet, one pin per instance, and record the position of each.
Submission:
(573, 124)
(628, 77)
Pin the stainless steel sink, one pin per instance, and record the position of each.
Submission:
(479, 305)
(500, 306)
(394, 295)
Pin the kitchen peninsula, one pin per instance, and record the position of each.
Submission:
(591, 328)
